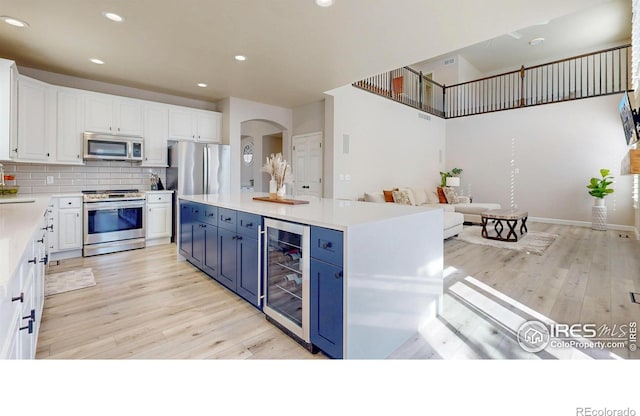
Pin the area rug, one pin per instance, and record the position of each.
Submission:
(535, 242)
(68, 281)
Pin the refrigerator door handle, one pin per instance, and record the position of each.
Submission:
(205, 156)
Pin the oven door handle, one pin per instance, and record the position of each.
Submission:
(101, 206)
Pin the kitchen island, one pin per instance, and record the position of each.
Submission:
(388, 264)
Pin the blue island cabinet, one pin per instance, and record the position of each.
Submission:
(199, 236)
(326, 291)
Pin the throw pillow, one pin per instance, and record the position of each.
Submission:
(441, 198)
(420, 196)
(388, 195)
(374, 197)
(450, 194)
(409, 192)
(401, 197)
(432, 197)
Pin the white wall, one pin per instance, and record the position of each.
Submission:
(390, 144)
(308, 118)
(556, 147)
(460, 70)
(235, 111)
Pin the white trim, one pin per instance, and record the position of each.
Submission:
(618, 227)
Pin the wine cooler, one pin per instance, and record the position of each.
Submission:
(286, 274)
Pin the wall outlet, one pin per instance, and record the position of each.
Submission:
(347, 177)
(49, 180)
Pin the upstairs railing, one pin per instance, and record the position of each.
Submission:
(409, 87)
(589, 75)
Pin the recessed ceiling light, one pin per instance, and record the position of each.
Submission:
(97, 61)
(240, 58)
(13, 21)
(324, 3)
(114, 17)
(536, 41)
(202, 85)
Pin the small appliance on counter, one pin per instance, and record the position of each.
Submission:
(5, 188)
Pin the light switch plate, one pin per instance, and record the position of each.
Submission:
(49, 180)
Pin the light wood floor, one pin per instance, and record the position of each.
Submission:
(148, 305)
(584, 277)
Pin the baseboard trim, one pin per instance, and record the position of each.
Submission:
(587, 224)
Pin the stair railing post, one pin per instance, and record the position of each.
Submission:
(522, 86)
(420, 98)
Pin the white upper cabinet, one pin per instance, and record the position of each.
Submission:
(208, 123)
(182, 124)
(110, 114)
(36, 120)
(70, 128)
(194, 125)
(8, 109)
(155, 133)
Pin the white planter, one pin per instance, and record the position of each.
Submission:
(599, 215)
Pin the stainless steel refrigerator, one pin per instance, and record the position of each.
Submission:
(197, 168)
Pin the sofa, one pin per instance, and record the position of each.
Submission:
(452, 220)
(461, 211)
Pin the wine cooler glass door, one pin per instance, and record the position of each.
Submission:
(287, 276)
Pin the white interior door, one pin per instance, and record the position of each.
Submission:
(307, 164)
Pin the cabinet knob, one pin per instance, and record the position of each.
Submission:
(48, 155)
(338, 275)
(326, 245)
(18, 298)
(44, 260)
(15, 150)
(78, 156)
(41, 240)
(249, 224)
(68, 203)
(32, 261)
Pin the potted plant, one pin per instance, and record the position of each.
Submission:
(599, 188)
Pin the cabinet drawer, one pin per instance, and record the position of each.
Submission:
(326, 245)
(210, 215)
(227, 218)
(248, 224)
(69, 202)
(158, 198)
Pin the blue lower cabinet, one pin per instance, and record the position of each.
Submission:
(326, 302)
(186, 231)
(227, 258)
(198, 244)
(210, 257)
(247, 266)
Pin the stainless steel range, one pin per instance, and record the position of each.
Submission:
(113, 221)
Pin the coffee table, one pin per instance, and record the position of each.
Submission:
(510, 217)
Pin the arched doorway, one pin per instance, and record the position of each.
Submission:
(259, 139)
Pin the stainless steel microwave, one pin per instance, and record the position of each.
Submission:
(101, 146)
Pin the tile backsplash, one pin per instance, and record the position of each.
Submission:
(32, 178)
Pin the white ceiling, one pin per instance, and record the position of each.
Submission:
(588, 30)
(295, 49)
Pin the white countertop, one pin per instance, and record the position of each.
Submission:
(18, 221)
(322, 212)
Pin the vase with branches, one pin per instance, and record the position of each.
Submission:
(280, 172)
